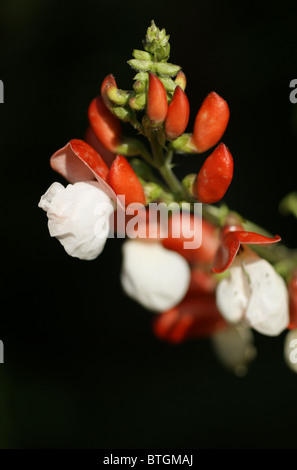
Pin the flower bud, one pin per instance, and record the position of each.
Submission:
(215, 176)
(178, 115)
(155, 277)
(163, 68)
(104, 124)
(141, 65)
(141, 55)
(157, 105)
(181, 80)
(124, 181)
(211, 122)
(118, 97)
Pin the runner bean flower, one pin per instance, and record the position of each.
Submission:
(234, 278)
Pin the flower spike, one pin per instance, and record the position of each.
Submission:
(211, 122)
(178, 115)
(232, 238)
(215, 176)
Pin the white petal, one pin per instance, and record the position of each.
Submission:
(234, 347)
(268, 308)
(76, 214)
(232, 294)
(290, 350)
(155, 277)
(46, 199)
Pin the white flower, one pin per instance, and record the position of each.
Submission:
(255, 295)
(234, 348)
(78, 216)
(290, 350)
(155, 277)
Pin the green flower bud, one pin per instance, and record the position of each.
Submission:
(188, 182)
(168, 84)
(138, 102)
(130, 147)
(152, 191)
(142, 77)
(142, 65)
(139, 86)
(157, 43)
(141, 55)
(163, 68)
(117, 96)
(121, 113)
(184, 144)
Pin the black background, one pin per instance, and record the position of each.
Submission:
(82, 368)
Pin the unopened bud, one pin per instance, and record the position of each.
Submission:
(188, 182)
(163, 68)
(142, 65)
(117, 96)
(168, 84)
(181, 80)
(138, 102)
(152, 191)
(184, 144)
(141, 55)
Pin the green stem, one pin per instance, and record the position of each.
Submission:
(163, 167)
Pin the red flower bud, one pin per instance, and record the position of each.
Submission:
(157, 105)
(124, 181)
(178, 115)
(195, 316)
(211, 122)
(232, 238)
(292, 287)
(104, 124)
(109, 79)
(215, 176)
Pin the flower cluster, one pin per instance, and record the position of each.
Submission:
(221, 289)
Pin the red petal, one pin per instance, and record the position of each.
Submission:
(230, 245)
(124, 181)
(210, 242)
(292, 289)
(196, 316)
(78, 161)
(215, 176)
(226, 253)
(105, 125)
(178, 115)
(157, 105)
(211, 122)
